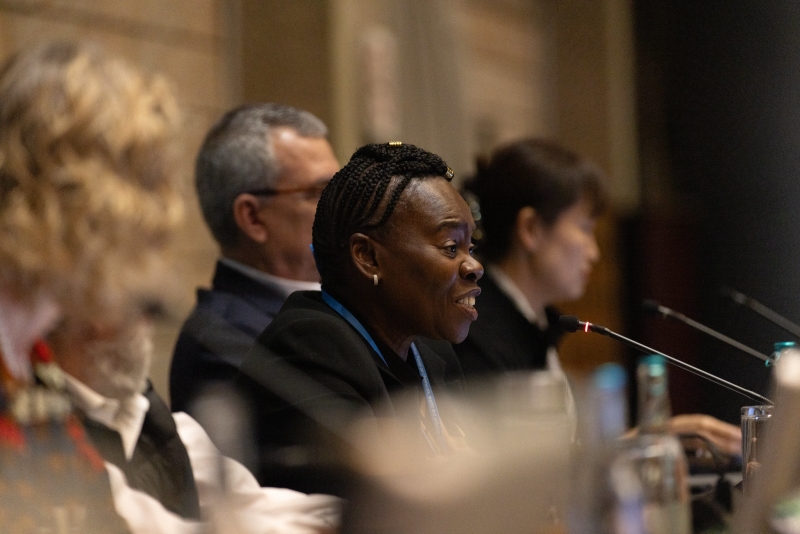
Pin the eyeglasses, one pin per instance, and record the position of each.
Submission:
(312, 192)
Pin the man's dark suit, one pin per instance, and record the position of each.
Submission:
(502, 339)
(310, 374)
(199, 360)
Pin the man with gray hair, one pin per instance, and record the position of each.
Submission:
(259, 174)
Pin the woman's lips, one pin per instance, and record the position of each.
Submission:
(467, 301)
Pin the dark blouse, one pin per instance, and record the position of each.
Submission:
(310, 375)
(502, 339)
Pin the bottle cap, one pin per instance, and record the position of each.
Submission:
(655, 363)
(610, 376)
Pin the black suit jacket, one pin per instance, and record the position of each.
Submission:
(502, 339)
(203, 354)
(311, 374)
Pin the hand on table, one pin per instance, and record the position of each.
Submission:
(727, 437)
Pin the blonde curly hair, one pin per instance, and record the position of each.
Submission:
(88, 196)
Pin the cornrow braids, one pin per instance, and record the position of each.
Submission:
(363, 195)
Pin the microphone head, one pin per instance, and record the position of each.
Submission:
(650, 306)
(568, 323)
(735, 296)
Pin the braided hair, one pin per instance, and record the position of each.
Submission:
(363, 195)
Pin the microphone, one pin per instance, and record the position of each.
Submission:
(774, 317)
(651, 306)
(570, 323)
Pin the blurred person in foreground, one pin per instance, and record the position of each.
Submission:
(168, 456)
(393, 244)
(87, 203)
(259, 174)
(539, 204)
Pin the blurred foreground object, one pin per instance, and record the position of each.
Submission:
(603, 499)
(772, 501)
(635, 485)
(87, 203)
(515, 482)
(658, 456)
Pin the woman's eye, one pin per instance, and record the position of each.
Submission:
(452, 249)
(472, 250)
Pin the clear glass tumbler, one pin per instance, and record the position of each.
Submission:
(755, 420)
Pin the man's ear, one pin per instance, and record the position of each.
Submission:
(364, 255)
(528, 228)
(247, 214)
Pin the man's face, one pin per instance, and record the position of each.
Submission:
(305, 162)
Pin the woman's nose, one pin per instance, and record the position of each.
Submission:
(472, 269)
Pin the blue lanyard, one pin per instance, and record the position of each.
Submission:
(433, 410)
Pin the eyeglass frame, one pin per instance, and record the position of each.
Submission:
(272, 192)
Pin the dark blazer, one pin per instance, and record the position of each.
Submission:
(502, 339)
(310, 374)
(160, 464)
(203, 355)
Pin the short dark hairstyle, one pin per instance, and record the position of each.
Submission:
(362, 196)
(536, 173)
(237, 156)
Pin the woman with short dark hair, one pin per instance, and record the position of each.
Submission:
(539, 204)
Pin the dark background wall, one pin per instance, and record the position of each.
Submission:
(719, 99)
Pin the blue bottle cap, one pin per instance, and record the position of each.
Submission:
(655, 363)
(609, 376)
(779, 346)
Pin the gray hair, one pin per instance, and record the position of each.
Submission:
(237, 156)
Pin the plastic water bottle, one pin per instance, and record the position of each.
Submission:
(658, 457)
(606, 494)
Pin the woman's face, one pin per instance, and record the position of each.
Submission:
(427, 275)
(565, 253)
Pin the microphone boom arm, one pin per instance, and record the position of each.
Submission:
(666, 312)
(589, 327)
(765, 312)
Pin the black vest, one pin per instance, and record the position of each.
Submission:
(160, 464)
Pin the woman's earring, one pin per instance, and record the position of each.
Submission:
(375, 279)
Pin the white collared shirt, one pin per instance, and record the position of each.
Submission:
(245, 508)
(284, 286)
(126, 416)
(517, 297)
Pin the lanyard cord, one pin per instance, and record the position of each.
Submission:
(433, 410)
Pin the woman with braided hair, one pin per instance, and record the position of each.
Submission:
(393, 243)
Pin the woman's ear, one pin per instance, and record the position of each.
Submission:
(528, 227)
(247, 214)
(364, 255)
